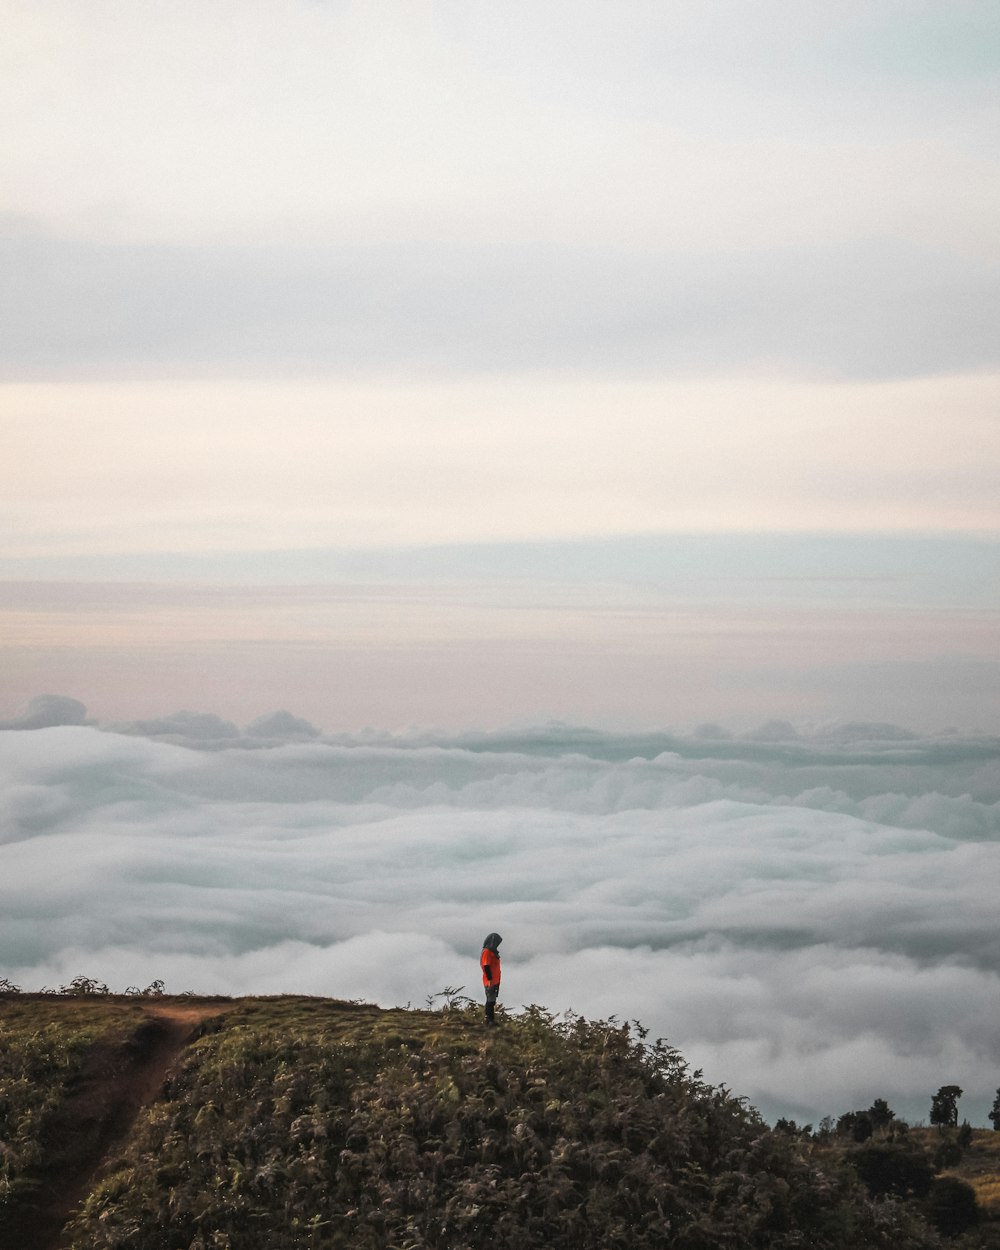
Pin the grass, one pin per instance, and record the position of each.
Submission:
(310, 1125)
(980, 1168)
(302, 1123)
(48, 1048)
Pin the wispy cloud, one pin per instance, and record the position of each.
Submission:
(289, 275)
(852, 311)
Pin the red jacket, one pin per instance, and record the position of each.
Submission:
(489, 961)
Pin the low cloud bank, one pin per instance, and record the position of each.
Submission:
(810, 918)
(45, 711)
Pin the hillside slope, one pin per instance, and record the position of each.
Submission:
(309, 1124)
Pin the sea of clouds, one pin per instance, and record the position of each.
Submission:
(809, 917)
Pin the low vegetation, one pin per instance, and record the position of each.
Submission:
(52, 1053)
(312, 1124)
(46, 1053)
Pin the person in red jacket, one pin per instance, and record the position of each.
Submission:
(489, 961)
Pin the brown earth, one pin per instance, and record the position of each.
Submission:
(119, 1082)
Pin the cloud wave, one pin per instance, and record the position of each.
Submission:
(810, 918)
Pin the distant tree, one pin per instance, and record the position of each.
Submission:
(994, 1115)
(882, 1115)
(951, 1206)
(965, 1135)
(855, 1124)
(791, 1129)
(944, 1106)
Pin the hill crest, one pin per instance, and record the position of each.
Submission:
(308, 1124)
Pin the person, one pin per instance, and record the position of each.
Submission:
(489, 961)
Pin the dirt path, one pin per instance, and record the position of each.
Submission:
(114, 1097)
(179, 1027)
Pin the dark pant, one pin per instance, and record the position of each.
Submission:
(492, 991)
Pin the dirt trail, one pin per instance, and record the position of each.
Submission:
(115, 1097)
(179, 1027)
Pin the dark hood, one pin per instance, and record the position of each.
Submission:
(492, 941)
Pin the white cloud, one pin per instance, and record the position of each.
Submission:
(810, 957)
(47, 710)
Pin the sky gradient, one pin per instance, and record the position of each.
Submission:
(325, 292)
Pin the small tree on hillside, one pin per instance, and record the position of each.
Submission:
(881, 1114)
(855, 1124)
(791, 1129)
(944, 1106)
(994, 1115)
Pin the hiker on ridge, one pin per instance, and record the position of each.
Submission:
(489, 961)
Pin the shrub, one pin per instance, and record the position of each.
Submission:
(899, 1168)
(951, 1206)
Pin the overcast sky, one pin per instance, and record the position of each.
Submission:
(286, 279)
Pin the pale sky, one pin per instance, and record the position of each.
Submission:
(286, 279)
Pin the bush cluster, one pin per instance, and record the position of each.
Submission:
(563, 1134)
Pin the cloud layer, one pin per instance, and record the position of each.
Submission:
(280, 275)
(860, 310)
(812, 920)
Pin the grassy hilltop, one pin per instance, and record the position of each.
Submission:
(308, 1124)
